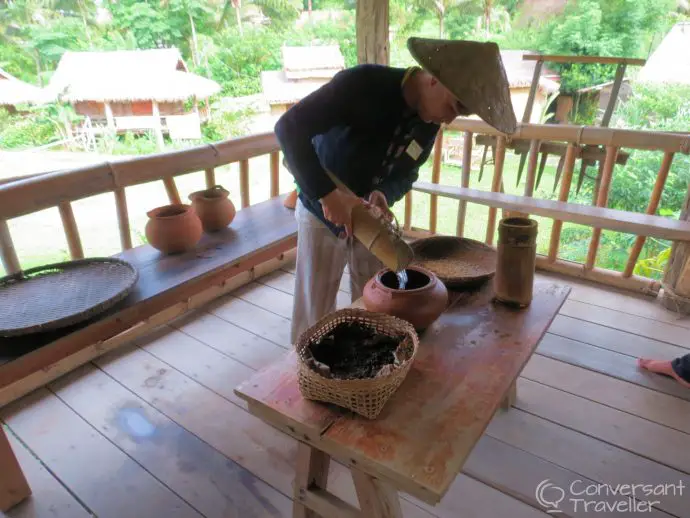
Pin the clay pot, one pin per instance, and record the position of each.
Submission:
(215, 210)
(291, 200)
(173, 228)
(420, 303)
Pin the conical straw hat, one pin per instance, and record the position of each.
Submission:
(473, 72)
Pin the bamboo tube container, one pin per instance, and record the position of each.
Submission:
(381, 239)
(516, 261)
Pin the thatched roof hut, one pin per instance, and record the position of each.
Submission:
(128, 76)
(14, 91)
(304, 70)
(670, 62)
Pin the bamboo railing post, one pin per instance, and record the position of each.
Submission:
(496, 185)
(527, 115)
(571, 154)
(275, 174)
(602, 201)
(613, 97)
(10, 261)
(210, 175)
(71, 231)
(654, 200)
(534, 146)
(465, 181)
(171, 189)
(123, 218)
(435, 178)
(408, 211)
(244, 182)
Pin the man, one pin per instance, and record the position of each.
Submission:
(371, 128)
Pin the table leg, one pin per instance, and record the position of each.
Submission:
(510, 397)
(312, 472)
(376, 498)
(13, 485)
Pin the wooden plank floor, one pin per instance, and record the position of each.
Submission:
(154, 429)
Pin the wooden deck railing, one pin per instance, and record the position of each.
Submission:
(60, 189)
(574, 142)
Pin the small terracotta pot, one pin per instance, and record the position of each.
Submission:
(421, 303)
(215, 210)
(291, 200)
(173, 228)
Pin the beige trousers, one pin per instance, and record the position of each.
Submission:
(321, 260)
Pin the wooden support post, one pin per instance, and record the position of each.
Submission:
(435, 178)
(311, 473)
(511, 397)
(275, 174)
(69, 223)
(376, 498)
(123, 218)
(210, 175)
(244, 182)
(372, 32)
(157, 127)
(651, 209)
(620, 72)
(602, 201)
(570, 156)
(465, 181)
(496, 185)
(527, 115)
(13, 485)
(171, 189)
(676, 295)
(10, 261)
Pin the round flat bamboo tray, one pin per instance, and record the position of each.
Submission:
(58, 295)
(456, 261)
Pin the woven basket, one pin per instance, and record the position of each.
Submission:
(366, 396)
(59, 295)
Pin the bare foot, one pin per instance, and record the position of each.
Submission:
(662, 367)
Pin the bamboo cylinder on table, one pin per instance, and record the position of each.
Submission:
(516, 261)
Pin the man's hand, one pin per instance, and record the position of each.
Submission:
(378, 200)
(337, 208)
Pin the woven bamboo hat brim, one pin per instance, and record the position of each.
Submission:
(473, 72)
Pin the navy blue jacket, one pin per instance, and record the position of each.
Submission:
(359, 127)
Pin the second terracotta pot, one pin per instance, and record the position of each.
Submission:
(421, 303)
(215, 210)
(173, 228)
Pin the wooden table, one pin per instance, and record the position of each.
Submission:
(466, 368)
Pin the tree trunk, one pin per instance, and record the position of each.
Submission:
(440, 26)
(487, 16)
(195, 48)
(239, 17)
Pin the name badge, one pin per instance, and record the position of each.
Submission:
(414, 150)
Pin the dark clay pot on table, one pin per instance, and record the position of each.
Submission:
(421, 302)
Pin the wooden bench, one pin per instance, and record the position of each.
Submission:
(169, 285)
(600, 217)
